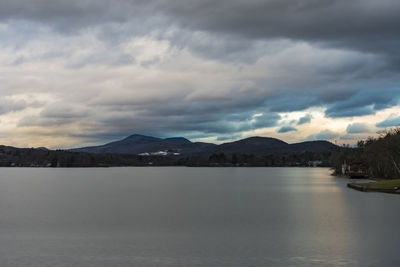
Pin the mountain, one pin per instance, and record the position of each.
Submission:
(252, 145)
(314, 146)
(42, 148)
(138, 144)
(141, 144)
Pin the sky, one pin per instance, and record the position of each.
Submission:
(75, 73)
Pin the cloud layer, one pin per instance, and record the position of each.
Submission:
(80, 72)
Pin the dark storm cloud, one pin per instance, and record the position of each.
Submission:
(229, 27)
(220, 122)
(295, 18)
(370, 26)
(365, 102)
(350, 23)
(67, 15)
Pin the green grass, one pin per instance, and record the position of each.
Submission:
(386, 184)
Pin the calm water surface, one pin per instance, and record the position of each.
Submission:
(193, 217)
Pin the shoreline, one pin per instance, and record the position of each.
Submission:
(383, 186)
(391, 186)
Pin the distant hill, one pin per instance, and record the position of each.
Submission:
(253, 145)
(140, 144)
(141, 150)
(42, 148)
(314, 146)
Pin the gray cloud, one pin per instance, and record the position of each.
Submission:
(286, 129)
(29, 121)
(9, 105)
(64, 111)
(353, 137)
(357, 128)
(365, 102)
(266, 120)
(367, 26)
(337, 112)
(305, 119)
(160, 118)
(327, 21)
(211, 122)
(323, 135)
(287, 103)
(69, 14)
(229, 137)
(391, 121)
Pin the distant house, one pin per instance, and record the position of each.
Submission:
(355, 169)
(315, 163)
(160, 153)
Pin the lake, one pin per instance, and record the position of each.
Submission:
(177, 216)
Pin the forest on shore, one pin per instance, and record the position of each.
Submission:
(377, 157)
(30, 157)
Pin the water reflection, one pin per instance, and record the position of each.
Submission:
(192, 217)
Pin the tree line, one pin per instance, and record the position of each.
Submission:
(29, 157)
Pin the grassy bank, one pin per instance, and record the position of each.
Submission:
(386, 186)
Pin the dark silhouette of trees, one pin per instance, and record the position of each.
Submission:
(27, 157)
(379, 156)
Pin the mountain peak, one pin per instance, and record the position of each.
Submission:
(260, 140)
(136, 136)
(140, 137)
